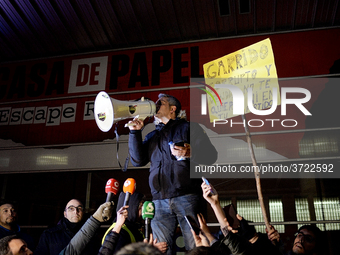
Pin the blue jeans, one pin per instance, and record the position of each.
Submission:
(170, 212)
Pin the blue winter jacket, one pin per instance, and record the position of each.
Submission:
(168, 176)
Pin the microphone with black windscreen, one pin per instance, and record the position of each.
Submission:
(129, 188)
(111, 189)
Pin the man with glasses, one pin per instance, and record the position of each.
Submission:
(307, 240)
(74, 211)
(55, 239)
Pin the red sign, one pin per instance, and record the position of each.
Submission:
(51, 101)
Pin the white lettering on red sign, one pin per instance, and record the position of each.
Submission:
(88, 74)
(51, 116)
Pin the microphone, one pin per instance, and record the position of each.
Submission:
(148, 212)
(129, 188)
(111, 188)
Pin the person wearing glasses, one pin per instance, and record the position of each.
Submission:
(307, 240)
(55, 239)
(79, 242)
(241, 241)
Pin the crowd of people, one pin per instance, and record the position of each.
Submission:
(125, 235)
(175, 195)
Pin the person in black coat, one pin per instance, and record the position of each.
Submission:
(55, 239)
(80, 241)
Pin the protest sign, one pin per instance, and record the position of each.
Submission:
(251, 67)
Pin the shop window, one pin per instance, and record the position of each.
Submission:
(51, 160)
(251, 211)
(276, 213)
(223, 203)
(302, 210)
(327, 209)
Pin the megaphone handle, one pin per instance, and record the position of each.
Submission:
(129, 124)
(137, 117)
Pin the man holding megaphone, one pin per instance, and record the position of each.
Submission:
(172, 148)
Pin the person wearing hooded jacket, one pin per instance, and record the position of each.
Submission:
(174, 193)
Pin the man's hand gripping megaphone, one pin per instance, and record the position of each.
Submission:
(136, 124)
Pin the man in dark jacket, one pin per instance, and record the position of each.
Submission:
(8, 224)
(79, 242)
(175, 195)
(55, 239)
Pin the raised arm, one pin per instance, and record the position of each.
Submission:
(138, 149)
(110, 242)
(237, 245)
(88, 230)
(214, 203)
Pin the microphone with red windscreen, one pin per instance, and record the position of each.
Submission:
(111, 188)
(129, 188)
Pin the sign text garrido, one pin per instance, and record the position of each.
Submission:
(246, 81)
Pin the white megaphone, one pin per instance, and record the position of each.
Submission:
(108, 111)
